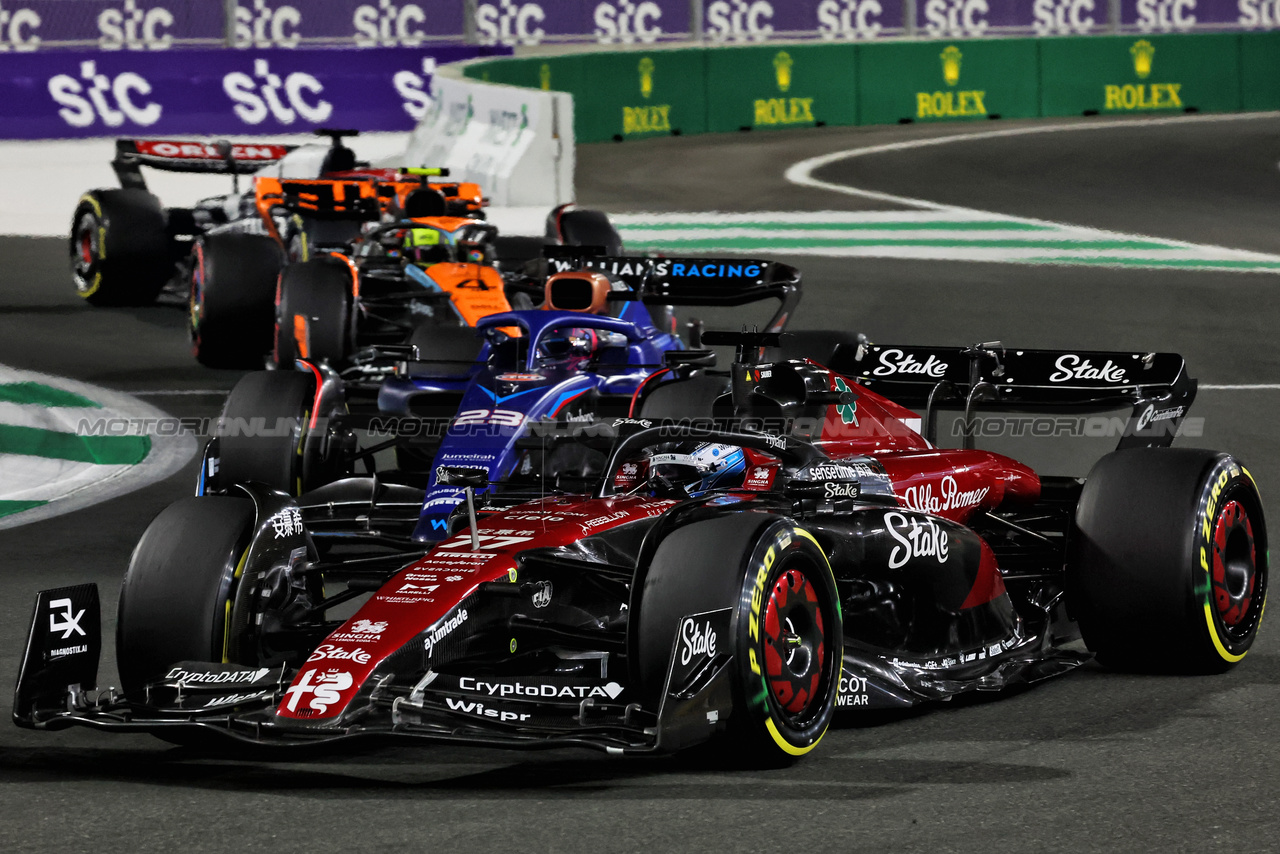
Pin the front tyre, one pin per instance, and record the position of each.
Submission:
(177, 592)
(787, 640)
(1168, 567)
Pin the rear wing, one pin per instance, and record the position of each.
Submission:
(1155, 387)
(692, 281)
(172, 155)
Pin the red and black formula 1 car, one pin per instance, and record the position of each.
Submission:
(735, 580)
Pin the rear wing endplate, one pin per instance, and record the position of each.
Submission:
(62, 652)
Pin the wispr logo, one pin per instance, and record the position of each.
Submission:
(267, 26)
(283, 98)
(18, 29)
(96, 96)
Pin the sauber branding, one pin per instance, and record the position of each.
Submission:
(915, 538)
(949, 497)
(894, 361)
(1071, 367)
(842, 490)
(696, 640)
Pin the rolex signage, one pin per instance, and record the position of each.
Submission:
(774, 87)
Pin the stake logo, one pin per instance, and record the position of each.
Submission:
(283, 98)
(97, 96)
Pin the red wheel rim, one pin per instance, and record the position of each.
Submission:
(1234, 573)
(86, 247)
(795, 643)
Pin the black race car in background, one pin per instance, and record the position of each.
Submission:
(793, 547)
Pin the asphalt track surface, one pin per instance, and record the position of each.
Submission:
(1094, 761)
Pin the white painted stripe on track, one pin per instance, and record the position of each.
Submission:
(168, 455)
(175, 392)
(1239, 387)
(801, 173)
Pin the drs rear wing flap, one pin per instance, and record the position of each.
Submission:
(693, 281)
(1155, 385)
(175, 155)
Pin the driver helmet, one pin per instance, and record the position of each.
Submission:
(425, 246)
(708, 466)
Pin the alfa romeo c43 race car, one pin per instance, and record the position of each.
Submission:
(798, 548)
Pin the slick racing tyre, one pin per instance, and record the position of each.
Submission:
(785, 635)
(270, 436)
(120, 250)
(572, 226)
(232, 299)
(313, 313)
(176, 593)
(1167, 570)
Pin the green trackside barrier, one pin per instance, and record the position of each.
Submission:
(632, 94)
(947, 80)
(1260, 71)
(1111, 75)
(779, 87)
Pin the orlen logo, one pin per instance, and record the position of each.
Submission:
(285, 99)
(627, 22)
(955, 17)
(17, 29)
(510, 23)
(414, 89)
(112, 99)
(739, 20)
(388, 25)
(134, 28)
(1063, 17)
(263, 26)
(849, 19)
(1166, 15)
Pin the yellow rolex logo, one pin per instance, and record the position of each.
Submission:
(782, 67)
(1143, 52)
(646, 77)
(951, 65)
(544, 76)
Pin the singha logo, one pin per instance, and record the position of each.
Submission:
(646, 76)
(951, 65)
(1143, 52)
(782, 67)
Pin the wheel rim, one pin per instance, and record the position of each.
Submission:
(1234, 573)
(85, 251)
(795, 646)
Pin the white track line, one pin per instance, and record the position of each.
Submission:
(1240, 387)
(801, 173)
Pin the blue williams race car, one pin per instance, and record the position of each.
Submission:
(491, 401)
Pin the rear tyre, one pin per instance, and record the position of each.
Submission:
(313, 313)
(268, 436)
(787, 640)
(232, 299)
(120, 249)
(1168, 564)
(175, 595)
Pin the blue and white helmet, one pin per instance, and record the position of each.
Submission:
(707, 467)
